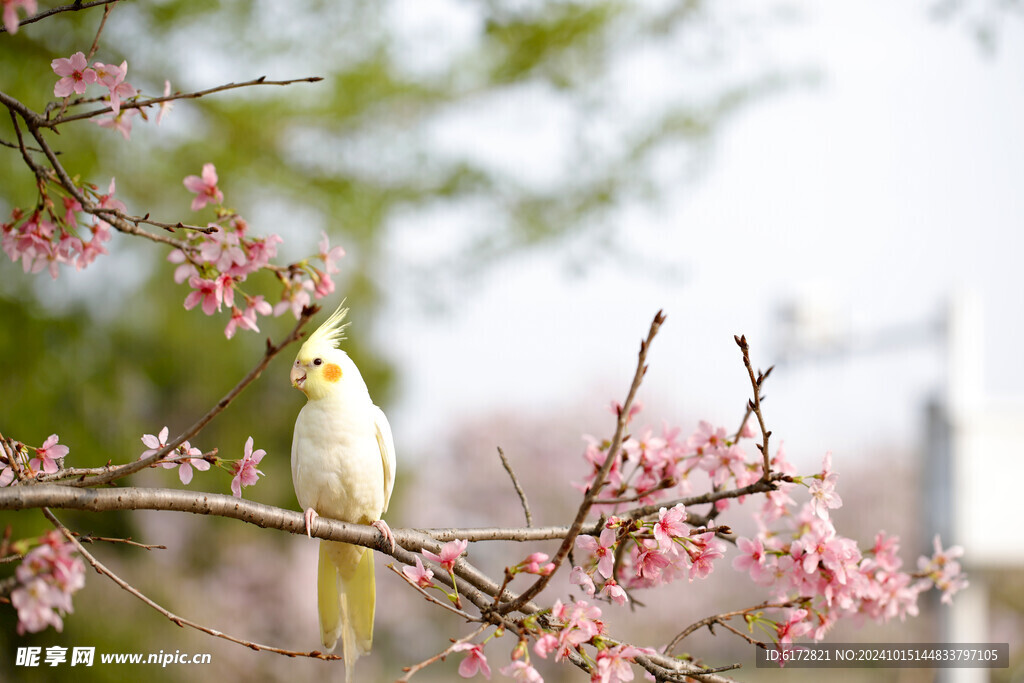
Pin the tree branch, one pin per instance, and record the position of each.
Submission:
(519, 489)
(272, 350)
(148, 102)
(180, 621)
(57, 10)
(602, 474)
(755, 404)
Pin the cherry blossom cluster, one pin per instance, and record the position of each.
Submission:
(652, 467)
(799, 556)
(566, 627)
(58, 231)
(29, 462)
(186, 457)
(49, 237)
(216, 263)
(47, 577)
(76, 75)
(644, 555)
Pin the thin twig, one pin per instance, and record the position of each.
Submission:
(661, 486)
(99, 31)
(600, 477)
(759, 486)
(57, 10)
(410, 671)
(519, 489)
(150, 101)
(180, 621)
(430, 598)
(271, 351)
(755, 404)
(743, 423)
(88, 538)
(722, 618)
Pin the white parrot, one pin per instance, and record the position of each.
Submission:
(343, 467)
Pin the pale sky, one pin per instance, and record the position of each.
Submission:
(893, 183)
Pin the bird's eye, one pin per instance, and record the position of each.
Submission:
(318, 361)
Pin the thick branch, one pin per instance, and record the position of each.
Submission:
(473, 584)
(180, 621)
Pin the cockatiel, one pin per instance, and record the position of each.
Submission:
(343, 467)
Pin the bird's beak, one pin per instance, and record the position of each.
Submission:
(298, 377)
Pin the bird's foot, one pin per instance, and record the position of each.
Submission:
(385, 531)
(309, 516)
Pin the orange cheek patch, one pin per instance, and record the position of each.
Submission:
(332, 372)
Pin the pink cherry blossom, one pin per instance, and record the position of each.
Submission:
(166, 105)
(121, 122)
(6, 475)
(823, 494)
(706, 550)
(47, 576)
(186, 457)
(579, 577)
(329, 254)
(449, 554)
(795, 626)
(222, 249)
(582, 623)
(545, 645)
(185, 270)
(295, 297)
(521, 671)
(603, 549)
(474, 662)
(154, 443)
(11, 13)
(245, 470)
(614, 592)
(613, 664)
(205, 188)
(76, 75)
(259, 252)
(884, 552)
(323, 285)
(944, 571)
(649, 562)
(47, 455)
(707, 438)
(752, 559)
(421, 576)
(669, 526)
(34, 602)
(68, 247)
(209, 292)
(113, 78)
(247, 319)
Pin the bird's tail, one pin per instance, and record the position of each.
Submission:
(345, 597)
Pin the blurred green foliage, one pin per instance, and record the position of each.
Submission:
(104, 356)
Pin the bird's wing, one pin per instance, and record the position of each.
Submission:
(387, 453)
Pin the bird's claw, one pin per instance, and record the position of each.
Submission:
(309, 516)
(385, 531)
